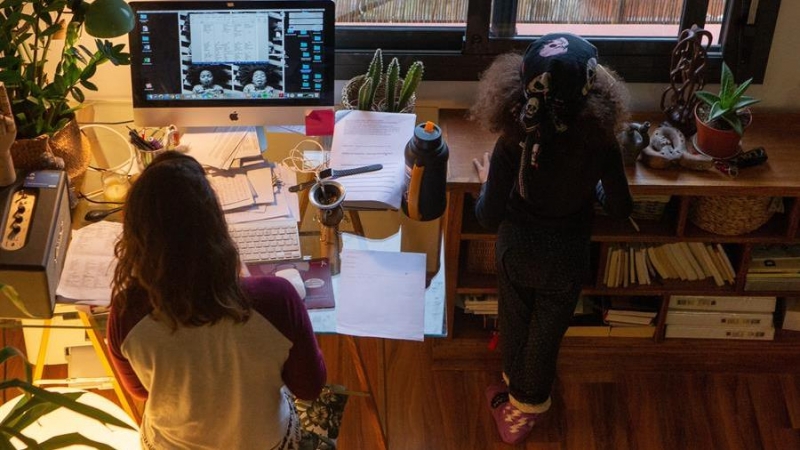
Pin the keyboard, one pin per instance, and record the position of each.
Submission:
(269, 240)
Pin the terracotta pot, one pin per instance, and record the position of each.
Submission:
(720, 144)
(64, 150)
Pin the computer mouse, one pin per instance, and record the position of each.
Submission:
(293, 275)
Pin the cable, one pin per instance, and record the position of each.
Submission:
(110, 123)
(131, 153)
(297, 162)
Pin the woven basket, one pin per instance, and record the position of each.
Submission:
(350, 94)
(480, 257)
(730, 215)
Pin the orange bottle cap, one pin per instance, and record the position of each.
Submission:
(429, 126)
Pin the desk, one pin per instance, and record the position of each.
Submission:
(375, 224)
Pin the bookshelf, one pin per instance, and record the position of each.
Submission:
(468, 249)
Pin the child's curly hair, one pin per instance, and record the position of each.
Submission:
(500, 98)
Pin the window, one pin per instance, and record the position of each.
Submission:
(457, 39)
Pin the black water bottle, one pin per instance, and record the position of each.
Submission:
(424, 196)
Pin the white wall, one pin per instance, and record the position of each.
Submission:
(780, 91)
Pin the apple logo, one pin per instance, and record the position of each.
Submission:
(234, 116)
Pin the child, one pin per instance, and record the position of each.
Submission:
(211, 353)
(557, 112)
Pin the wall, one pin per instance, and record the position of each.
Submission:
(780, 91)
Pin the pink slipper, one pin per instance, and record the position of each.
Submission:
(512, 424)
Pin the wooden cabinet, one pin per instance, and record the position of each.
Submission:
(466, 344)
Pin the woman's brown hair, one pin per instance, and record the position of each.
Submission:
(175, 251)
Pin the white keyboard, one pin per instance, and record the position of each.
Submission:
(269, 240)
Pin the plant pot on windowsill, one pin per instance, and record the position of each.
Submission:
(350, 95)
(718, 139)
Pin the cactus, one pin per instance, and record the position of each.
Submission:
(374, 74)
(392, 75)
(410, 83)
(366, 95)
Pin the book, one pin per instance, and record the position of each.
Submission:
(771, 258)
(316, 275)
(694, 262)
(676, 266)
(588, 331)
(727, 262)
(362, 138)
(719, 318)
(791, 320)
(727, 303)
(717, 332)
(708, 265)
(646, 331)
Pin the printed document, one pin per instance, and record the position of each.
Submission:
(366, 137)
(89, 265)
(381, 294)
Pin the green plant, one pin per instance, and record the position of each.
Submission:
(375, 76)
(41, 101)
(37, 402)
(728, 104)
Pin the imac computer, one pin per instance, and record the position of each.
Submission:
(218, 63)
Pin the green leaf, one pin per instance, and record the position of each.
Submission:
(716, 112)
(726, 87)
(707, 97)
(31, 443)
(735, 123)
(66, 440)
(744, 102)
(88, 85)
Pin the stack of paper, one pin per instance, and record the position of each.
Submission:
(218, 147)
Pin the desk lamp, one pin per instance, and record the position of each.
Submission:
(106, 18)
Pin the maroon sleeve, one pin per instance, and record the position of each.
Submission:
(117, 329)
(304, 372)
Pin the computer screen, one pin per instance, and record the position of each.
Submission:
(212, 63)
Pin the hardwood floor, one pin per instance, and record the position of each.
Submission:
(600, 409)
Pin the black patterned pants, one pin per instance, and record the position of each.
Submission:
(540, 272)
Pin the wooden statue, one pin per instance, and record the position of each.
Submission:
(686, 77)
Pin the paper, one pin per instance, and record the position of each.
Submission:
(89, 264)
(216, 146)
(365, 137)
(232, 191)
(319, 122)
(381, 294)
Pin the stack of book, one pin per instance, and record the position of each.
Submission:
(629, 264)
(774, 268)
(481, 304)
(709, 317)
(630, 316)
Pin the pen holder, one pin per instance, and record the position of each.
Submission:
(327, 196)
(145, 157)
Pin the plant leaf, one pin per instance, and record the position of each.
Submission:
(31, 443)
(66, 440)
(707, 97)
(744, 102)
(726, 87)
(735, 123)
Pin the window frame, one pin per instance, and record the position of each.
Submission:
(462, 53)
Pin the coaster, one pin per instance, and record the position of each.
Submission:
(700, 150)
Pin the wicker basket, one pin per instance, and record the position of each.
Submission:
(730, 215)
(480, 257)
(350, 94)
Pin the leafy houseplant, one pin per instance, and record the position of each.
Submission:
(40, 101)
(722, 118)
(383, 91)
(38, 402)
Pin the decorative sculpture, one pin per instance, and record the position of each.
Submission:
(686, 77)
(668, 147)
(633, 140)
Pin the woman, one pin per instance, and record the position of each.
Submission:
(212, 354)
(558, 112)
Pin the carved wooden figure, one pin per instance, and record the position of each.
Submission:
(686, 77)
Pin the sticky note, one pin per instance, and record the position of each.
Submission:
(319, 122)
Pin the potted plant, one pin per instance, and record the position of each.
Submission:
(36, 403)
(41, 100)
(722, 118)
(383, 91)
